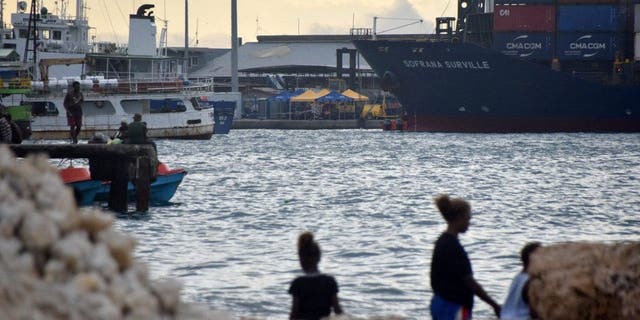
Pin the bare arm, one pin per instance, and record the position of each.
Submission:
(336, 304)
(477, 289)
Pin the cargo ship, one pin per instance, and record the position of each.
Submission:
(528, 66)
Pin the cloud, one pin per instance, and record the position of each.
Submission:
(205, 39)
(395, 17)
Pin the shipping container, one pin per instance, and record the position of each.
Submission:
(534, 18)
(590, 18)
(588, 1)
(587, 45)
(524, 45)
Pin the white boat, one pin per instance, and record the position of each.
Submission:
(168, 115)
(58, 35)
(116, 86)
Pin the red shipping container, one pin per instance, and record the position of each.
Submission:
(530, 18)
(588, 1)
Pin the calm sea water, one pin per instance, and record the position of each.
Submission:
(231, 231)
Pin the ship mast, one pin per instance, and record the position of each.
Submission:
(234, 46)
(1, 23)
(79, 9)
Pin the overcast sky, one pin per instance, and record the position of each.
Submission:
(211, 19)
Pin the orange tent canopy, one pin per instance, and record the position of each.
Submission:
(355, 95)
(310, 96)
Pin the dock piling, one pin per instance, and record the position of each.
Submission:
(116, 163)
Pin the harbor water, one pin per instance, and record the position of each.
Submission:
(230, 232)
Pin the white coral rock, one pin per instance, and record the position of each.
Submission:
(168, 292)
(73, 250)
(100, 260)
(38, 232)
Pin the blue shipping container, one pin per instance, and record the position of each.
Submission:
(587, 46)
(589, 18)
(524, 45)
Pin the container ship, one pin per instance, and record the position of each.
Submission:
(528, 66)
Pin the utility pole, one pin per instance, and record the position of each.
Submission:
(234, 46)
(186, 38)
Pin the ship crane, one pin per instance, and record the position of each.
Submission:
(375, 22)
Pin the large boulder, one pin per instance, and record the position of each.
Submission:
(586, 281)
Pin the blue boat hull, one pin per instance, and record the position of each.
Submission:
(86, 191)
(223, 116)
(461, 87)
(162, 190)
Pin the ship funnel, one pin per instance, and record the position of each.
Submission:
(142, 32)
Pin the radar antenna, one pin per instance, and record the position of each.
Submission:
(375, 22)
(32, 31)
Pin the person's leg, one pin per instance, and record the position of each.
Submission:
(78, 126)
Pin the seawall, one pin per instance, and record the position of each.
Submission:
(306, 124)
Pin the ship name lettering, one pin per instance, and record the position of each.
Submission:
(588, 45)
(435, 64)
(524, 46)
(431, 64)
(467, 64)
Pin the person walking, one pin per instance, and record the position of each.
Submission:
(314, 293)
(73, 105)
(451, 274)
(516, 306)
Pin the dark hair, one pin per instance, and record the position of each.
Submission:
(452, 208)
(308, 250)
(526, 252)
(75, 83)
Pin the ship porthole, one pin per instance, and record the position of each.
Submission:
(484, 108)
(462, 109)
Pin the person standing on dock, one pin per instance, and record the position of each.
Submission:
(137, 130)
(451, 274)
(73, 104)
(314, 293)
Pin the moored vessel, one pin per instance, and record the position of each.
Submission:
(116, 85)
(532, 66)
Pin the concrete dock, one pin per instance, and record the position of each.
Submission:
(306, 124)
(116, 163)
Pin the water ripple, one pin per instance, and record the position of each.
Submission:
(231, 229)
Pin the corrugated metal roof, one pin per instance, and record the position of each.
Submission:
(282, 57)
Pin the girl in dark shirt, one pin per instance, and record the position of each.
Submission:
(451, 274)
(314, 293)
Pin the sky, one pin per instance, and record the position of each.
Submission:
(210, 20)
